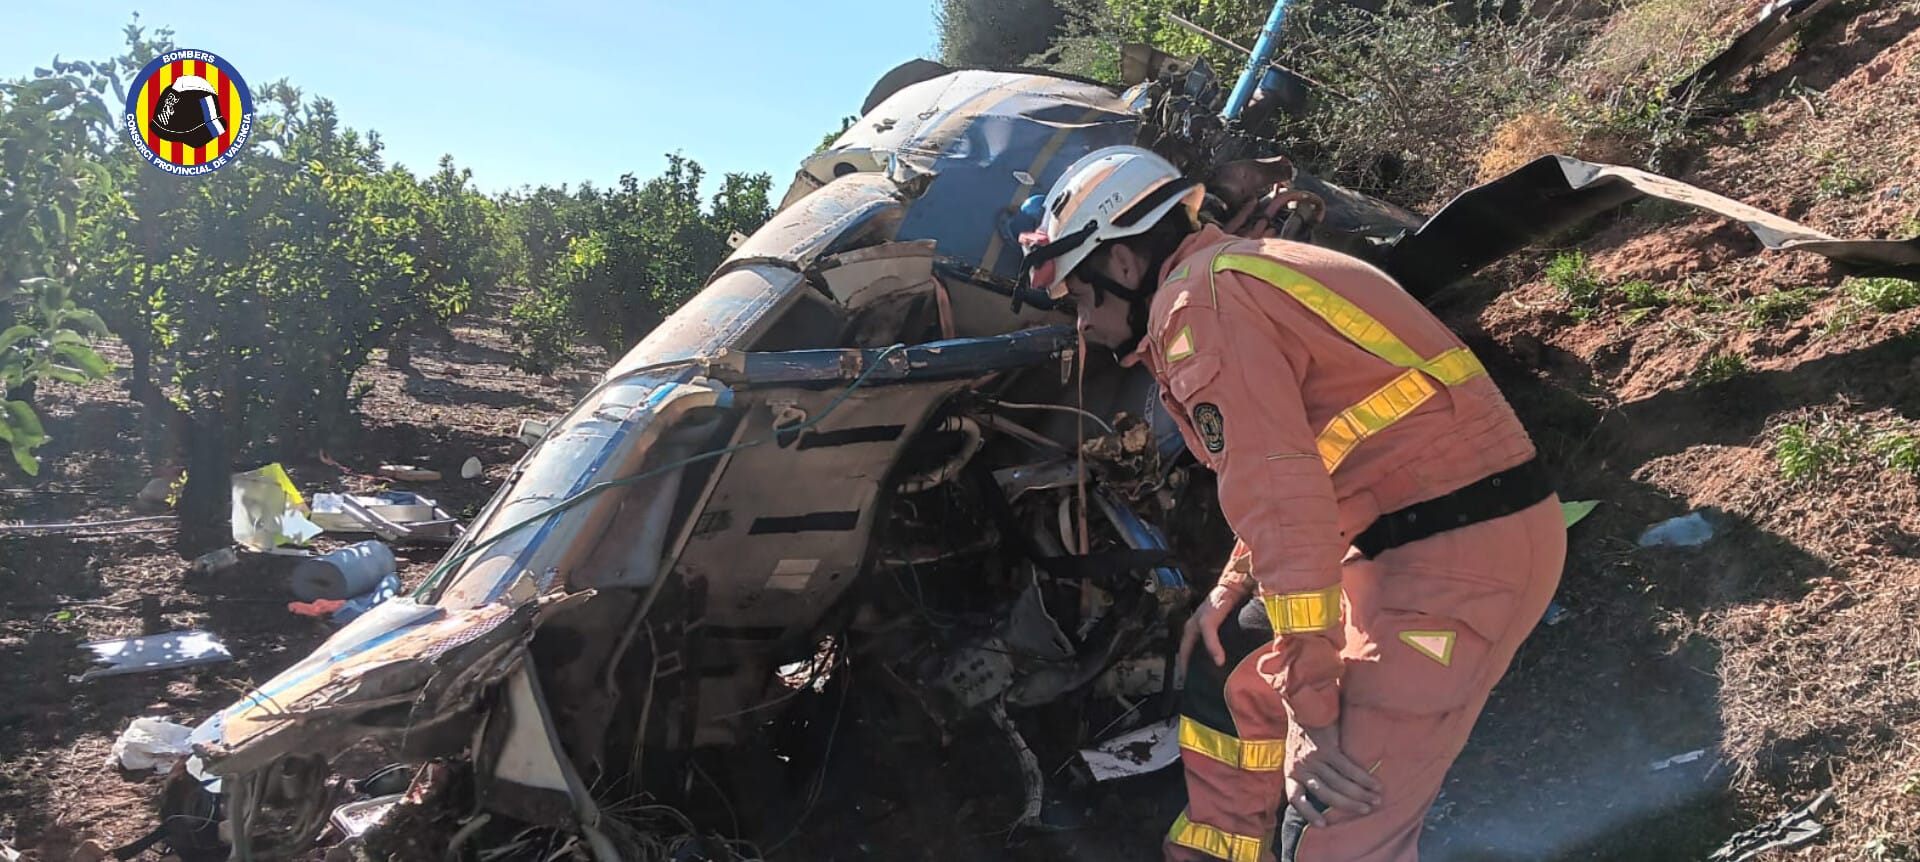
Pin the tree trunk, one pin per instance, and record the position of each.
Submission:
(206, 502)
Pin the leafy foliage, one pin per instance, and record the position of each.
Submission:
(1899, 451)
(1810, 451)
(632, 255)
(995, 33)
(54, 128)
(1576, 281)
(247, 298)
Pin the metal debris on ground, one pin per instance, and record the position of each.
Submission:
(472, 469)
(392, 515)
(1556, 614)
(1677, 760)
(1136, 752)
(214, 561)
(1792, 829)
(154, 652)
(151, 743)
(409, 473)
(1687, 531)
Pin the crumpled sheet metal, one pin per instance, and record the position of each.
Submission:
(395, 631)
(1552, 193)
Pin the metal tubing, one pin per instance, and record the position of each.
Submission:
(1257, 63)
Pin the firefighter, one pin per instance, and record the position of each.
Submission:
(1397, 539)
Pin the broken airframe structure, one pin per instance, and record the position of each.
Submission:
(859, 439)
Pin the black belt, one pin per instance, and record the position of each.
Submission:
(1495, 496)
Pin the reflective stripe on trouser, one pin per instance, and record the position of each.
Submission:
(1412, 703)
(1386, 405)
(1233, 731)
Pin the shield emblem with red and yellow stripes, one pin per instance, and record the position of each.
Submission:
(189, 112)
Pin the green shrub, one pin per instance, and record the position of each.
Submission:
(1899, 451)
(1843, 181)
(1806, 452)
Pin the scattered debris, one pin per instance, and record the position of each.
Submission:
(154, 652)
(1134, 677)
(353, 819)
(151, 743)
(1029, 765)
(7, 853)
(351, 609)
(268, 510)
(1136, 752)
(345, 573)
(409, 473)
(1577, 511)
(1792, 829)
(392, 515)
(1687, 531)
(214, 561)
(472, 469)
(532, 431)
(317, 607)
(1556, 614)
(1677, 760)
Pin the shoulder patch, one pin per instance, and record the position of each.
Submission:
(1181, 346)
(1211, 426)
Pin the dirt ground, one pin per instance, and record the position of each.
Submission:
(1784, 648)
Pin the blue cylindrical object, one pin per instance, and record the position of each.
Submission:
(343, 574)
(1256, 64)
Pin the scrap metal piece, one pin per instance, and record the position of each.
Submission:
(1553, 193)
(154, 652)
(1792, 829)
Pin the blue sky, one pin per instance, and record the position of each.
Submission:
(530, 93)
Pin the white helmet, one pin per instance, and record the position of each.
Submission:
(1109, 194)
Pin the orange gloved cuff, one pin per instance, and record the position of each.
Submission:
(1309, 678)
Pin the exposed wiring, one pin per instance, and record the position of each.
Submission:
(1059, 408)
(595, 490)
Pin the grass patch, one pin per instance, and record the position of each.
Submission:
(1885, 295)
(1642, 294)
(1844, 181)
(1808, 452)
(1901, 452)
(1720, 368)
(1570, 274)
(1842, 319)
(1780, 306)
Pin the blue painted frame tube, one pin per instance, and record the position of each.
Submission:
(1256, 64)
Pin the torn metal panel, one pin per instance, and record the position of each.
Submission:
(1777, 22)
(1553, 193)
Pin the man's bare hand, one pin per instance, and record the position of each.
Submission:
(1203, 626)
(1329, 775)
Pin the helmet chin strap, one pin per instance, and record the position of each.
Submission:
(1139, 301)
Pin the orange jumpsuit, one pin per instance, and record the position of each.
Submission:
(1323, 396)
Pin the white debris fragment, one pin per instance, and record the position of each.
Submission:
(151, 743)
(1136, 752)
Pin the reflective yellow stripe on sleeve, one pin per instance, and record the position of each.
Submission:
(1246, 755)
(1388, 404)
(1214, 842)
(1298, 613)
